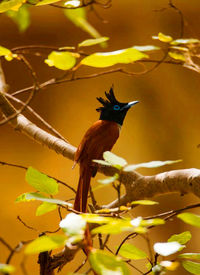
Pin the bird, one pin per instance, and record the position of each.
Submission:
(100, 137)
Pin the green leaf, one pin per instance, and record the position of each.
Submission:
(61, 60)
(91, 42)
(190, 218)
(192, 256)
(109, 179)
(44, 208)
(151, 164)
(185, 41)
(46, 2)
(20, 17)
(78, 17)
(107, 59)
(41, 182)
(144, 202)
(113, 159)
(72, 4)
(73, 224)
(39, 197)
(146, 48)
(10, 5)
(105, 263)
(7, 268)
(166, 249)
(45, 243)
(163, 37)
(132, 252)
(191, 267)
(177, 56)
(181, 238)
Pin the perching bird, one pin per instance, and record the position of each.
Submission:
(100, 137)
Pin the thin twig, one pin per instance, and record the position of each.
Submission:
(172, 212)
(27, 226)
(31, 111)
(6, 244)
(80, 266)
(54, 81)
(171, 4)
(25, 168)
(131, 235)
(33, 90)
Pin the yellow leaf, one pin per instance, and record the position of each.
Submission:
(177, 56)
(107, 59)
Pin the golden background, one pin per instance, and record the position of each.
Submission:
(164, 125)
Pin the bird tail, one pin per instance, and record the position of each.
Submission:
(80, 203)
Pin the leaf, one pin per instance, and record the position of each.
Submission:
(102, 162)
(190, 218)
(177, 56)
(191, 267)
(41, 182)
(105, 263)
(73, 224)
(61, 60)
(91, 42)
(171, 266)
(163, 37)
(146, 48)
(107, 59)
(192, 256)
(152, 222)
(45, 243)
(118, 226)
(93, 218)
(185, 41)
(109, 179)
(181, 238)
(37, 196)
(151, 164)
(132, 252)
(11, 4)
(44, 208)
(72, 4)
(113, 159)
(78, 17)
(166, 249)
(144, 202)
(46, 2)
(20, 17)
(7, 268)
(114, 227)
(4, 51)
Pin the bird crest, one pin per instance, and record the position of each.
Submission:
(110, 100)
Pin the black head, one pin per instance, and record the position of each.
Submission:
(112, 109)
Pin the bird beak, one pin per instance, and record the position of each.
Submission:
(129, 105)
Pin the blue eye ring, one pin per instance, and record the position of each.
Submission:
(116, 107)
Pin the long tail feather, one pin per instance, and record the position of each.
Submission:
(80, 203)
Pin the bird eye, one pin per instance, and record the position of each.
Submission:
(116, 107)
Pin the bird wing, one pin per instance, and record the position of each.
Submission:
(100, 137)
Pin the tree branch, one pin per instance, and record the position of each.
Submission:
(137, 186)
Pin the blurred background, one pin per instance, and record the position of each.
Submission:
(165, 125)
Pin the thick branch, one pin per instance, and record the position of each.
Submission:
(142, 187)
